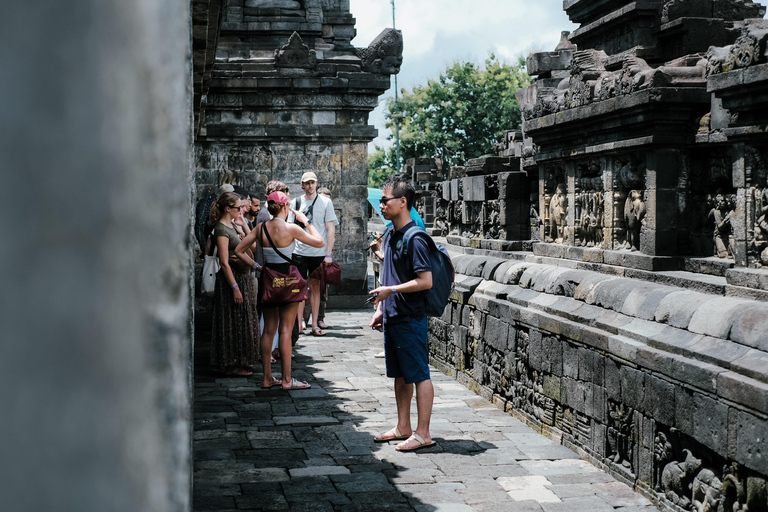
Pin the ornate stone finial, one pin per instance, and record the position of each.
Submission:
(295, 54)
(565, 43)
(385, 54)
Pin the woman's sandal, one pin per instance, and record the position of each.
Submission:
(390, 435)
(297, 384)
(413, 443)
(318, 332)
(274, 383)
(323, 325)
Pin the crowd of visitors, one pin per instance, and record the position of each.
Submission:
(292, 239)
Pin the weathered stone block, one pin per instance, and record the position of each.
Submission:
(534, 350)
(660, 400)
(743, 390)
(710, 422)
(715, 317)
(750, 327)
(552, 385)
(570, 361)
(632, 387)
(572, 393)
(496, 332)
(751, 434)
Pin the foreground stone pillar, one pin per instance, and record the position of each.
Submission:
(95, 312)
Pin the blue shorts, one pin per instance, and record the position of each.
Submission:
(406, 350)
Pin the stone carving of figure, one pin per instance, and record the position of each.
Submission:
(706, 491)
(619, 434)
(597, 207)
(762, 219)
(558, 207)
(634, 213)
(385, 54)
(720, 215)
(677, 479)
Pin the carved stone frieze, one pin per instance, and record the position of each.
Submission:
(751, 47)
(589, 207)
(295, 54)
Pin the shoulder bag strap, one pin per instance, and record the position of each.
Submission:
(266, 231)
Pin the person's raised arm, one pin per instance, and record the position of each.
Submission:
(312, 238)
(330, 233)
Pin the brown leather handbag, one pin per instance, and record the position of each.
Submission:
(278, 288)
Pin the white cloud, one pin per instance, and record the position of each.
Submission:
(438, 32)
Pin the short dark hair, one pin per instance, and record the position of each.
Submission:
(401, 187)
(242, 192)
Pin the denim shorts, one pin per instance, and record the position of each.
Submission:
(406, 350)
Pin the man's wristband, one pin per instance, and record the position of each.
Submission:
(394, 289)
(328, 255)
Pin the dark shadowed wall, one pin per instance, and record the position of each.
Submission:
(94, 263)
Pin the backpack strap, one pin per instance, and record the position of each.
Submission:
(274, 247)
(415, 230)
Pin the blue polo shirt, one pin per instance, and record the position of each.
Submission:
(400, 307)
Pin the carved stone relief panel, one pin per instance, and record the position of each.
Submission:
(756, 177)
(628, 201)
(588, 204)
(554, 201)
(710, 204)
(620, 442)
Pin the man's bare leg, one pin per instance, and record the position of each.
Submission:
(425, 395)
(403, 396)
(314, 301)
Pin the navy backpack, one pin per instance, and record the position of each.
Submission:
(443, 273)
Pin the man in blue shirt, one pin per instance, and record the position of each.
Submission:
(401, 315)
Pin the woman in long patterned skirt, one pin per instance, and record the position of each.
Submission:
(234, 343)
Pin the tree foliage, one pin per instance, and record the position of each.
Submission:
(458, 116)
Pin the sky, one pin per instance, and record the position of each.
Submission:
(437, 33)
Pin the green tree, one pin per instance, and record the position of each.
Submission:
(379, 167)
(460, 115)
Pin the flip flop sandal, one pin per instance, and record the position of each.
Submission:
(383, 437)
(323, 325)
(274, 383)
(297, 384)
(318, 332)
(416, 437)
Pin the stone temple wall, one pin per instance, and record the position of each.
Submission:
(664, 387)
(612, 264)
(289, 94)
(96, 310)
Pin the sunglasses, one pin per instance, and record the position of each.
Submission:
(384, 199)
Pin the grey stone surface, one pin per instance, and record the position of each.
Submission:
(484, 458)
(100, 98)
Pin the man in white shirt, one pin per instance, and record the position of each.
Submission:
(319, 211)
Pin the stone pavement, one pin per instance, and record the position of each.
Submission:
(313, 450)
